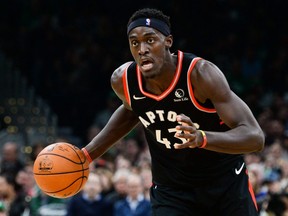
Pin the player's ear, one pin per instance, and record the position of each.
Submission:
(168, 41)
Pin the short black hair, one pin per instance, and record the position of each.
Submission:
(150, 13)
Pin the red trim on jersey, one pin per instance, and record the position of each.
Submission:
(125, 85)
(252, 194)
(251, 191)
(172, 85)
(190, 89)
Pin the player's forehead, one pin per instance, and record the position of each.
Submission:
(142, 31)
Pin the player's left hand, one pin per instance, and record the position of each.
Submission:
(187, 130)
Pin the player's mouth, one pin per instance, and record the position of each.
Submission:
(146, 65)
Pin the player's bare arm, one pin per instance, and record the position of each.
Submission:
(121, 122)
(245, 135)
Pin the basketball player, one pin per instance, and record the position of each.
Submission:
(196, 127)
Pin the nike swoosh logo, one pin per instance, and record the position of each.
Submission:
(138, 98)
(238, 171)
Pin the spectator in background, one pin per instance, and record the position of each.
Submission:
(146, 176)
(122, 162)
(144, 158)
(11, 196)
(26, 180)
(27, 185)
(11, 163)
(40, 199)
(105, 176)
(119, 179)
(275, 131)
(36, 149)
(131, 150)
(90, 201)
(135, 203)
(11, 192)
(277, 206)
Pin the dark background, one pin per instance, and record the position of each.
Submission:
(68, 49)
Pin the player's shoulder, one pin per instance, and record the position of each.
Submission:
(208, 76)
(118, 72)
(205, 63)
(205, 67)
(116, 77)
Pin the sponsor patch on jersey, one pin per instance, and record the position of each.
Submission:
(180, 95)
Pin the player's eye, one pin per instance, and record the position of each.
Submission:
(150, 40)
(134, 43)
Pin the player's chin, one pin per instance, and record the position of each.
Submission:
(149, 73)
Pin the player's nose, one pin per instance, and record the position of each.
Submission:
(143, 49)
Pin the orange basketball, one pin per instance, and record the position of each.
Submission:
(61, 170)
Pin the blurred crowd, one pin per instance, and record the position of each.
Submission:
(68, 49)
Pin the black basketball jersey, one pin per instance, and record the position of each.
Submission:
(157, 113)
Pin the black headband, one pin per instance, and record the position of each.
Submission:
(150, 22)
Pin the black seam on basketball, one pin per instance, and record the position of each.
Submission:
(79, 160)
(54, 173)
(46, 153)
(68, 186)
(77, 153)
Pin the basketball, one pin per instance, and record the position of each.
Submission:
(61, 170)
